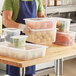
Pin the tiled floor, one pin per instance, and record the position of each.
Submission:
(69, 68)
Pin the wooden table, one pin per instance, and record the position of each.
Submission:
(54, 52)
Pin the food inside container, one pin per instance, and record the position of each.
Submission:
(65, 38)
(63, 24)
(31, 51)
(9, 32)
(42, 36)
(19, 41)
(41, 23)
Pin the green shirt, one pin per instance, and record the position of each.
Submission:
(13, 5)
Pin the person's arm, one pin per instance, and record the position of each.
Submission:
(7, 12)
(40, 12)
(9, 23)
(7, 20)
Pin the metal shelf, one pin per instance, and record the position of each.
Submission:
(65, 8)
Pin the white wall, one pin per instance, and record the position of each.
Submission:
(1, 3)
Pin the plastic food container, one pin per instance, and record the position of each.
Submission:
(8, 33)
(41, 23)
(19, 41)
(42, 36)
(65, 38)
(63, 24)
(30, 51)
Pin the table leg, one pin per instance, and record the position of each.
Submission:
(22, 71)
(59, 67)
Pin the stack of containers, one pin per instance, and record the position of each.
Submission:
(13, 37)
(8, 33)
(15, 46)
(43, 30)
(63, 35)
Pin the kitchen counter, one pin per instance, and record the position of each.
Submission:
(54, 52)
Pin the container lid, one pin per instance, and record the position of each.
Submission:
(70, 32)
(62, 19)
(44, 29)
(40, 19)
(11, 29)
(33, 46)
(28, 47)
(19, 36)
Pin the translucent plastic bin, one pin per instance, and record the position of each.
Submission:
(19, 41)
(42, 36)
(9, 32)
(63, 24)
(30, 51)
(65, 38)
(41, 23)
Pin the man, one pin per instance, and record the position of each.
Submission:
(14, 11)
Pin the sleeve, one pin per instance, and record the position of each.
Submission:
(40, 7)
(8, 5)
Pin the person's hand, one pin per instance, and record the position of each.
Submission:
(27, 30)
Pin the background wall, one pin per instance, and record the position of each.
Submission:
(1, 3)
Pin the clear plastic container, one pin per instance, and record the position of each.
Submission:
(41, 23)
(63, 24)
(8, 33)
(42, 36)
(30, 51)
(19, 41)
(65, 38)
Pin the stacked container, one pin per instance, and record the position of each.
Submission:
(43, 30)
(63, 38)
(15, 46)
(63, 35)
(8, 33)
